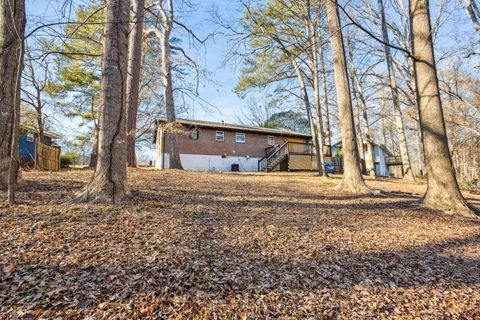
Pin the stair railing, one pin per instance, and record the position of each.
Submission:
(280, 153)
(262, 163)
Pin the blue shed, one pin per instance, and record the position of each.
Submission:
(28, 140)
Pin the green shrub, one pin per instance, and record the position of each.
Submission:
(338, 153)
(475, 182)
(68, 159)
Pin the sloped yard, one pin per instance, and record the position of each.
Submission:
(223, 246)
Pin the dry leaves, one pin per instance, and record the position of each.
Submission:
(221, 246)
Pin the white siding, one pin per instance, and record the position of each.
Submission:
(381, 168)
(199, 162)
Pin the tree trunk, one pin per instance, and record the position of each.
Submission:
(328, 131)
(12, 29)
(312, 36)
(367, 154)
(402, 138)
(356, 118)
(474, 13)
(421, 158)
(352, 181)
(94, 155)
(443, 192)
(369, 141)
(308, 107)
(40, 126)
(175, 162)
(108, 183)
(133, 78)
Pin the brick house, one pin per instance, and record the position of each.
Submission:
(214, 146)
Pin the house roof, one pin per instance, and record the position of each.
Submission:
(46, 133)
(236, 127)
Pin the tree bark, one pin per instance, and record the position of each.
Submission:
(421, 158)
(40, 126)
(36, 100)
(12, 30)
(356, 117)
(328, 131)
(352, 181)
(94, 154)
(313, 44)
(369, 142)
(308, 107)
(175, 162)
(443, 192)
(402, 138)
(108, 183)
(474, 13)
(133, 78)
(361, 112)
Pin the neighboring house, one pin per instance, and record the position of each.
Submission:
(383, 158)
(214, 146)
(28, 143)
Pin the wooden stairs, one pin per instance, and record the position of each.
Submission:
(273, 158)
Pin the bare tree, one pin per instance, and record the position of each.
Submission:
(360, 111)
(312, 38)
(287, 32)
(402, 138)
(133, 78)
(36, 78)
(352, 176)
(313, 128)
(167, 24)
(323, 73)
(12, 30)
(474, 13)
(108, 183)
(443, 192)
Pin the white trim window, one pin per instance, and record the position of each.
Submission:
(219, 136)
(271, 140)
(30, 137)
(240, 137)
(193, 134)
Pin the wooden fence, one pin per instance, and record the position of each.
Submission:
(47, 157)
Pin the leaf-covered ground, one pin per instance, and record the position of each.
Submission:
(223, 246)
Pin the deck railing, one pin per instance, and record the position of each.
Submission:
(395, 160)
(274, 153)
(301, 148)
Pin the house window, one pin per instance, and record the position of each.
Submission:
(30, 137)
(193, 134)
(219, 136)
(271, 140)
(240, 137)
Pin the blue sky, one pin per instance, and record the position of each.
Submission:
(226, 104)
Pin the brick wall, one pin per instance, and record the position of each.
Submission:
(254, 146)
